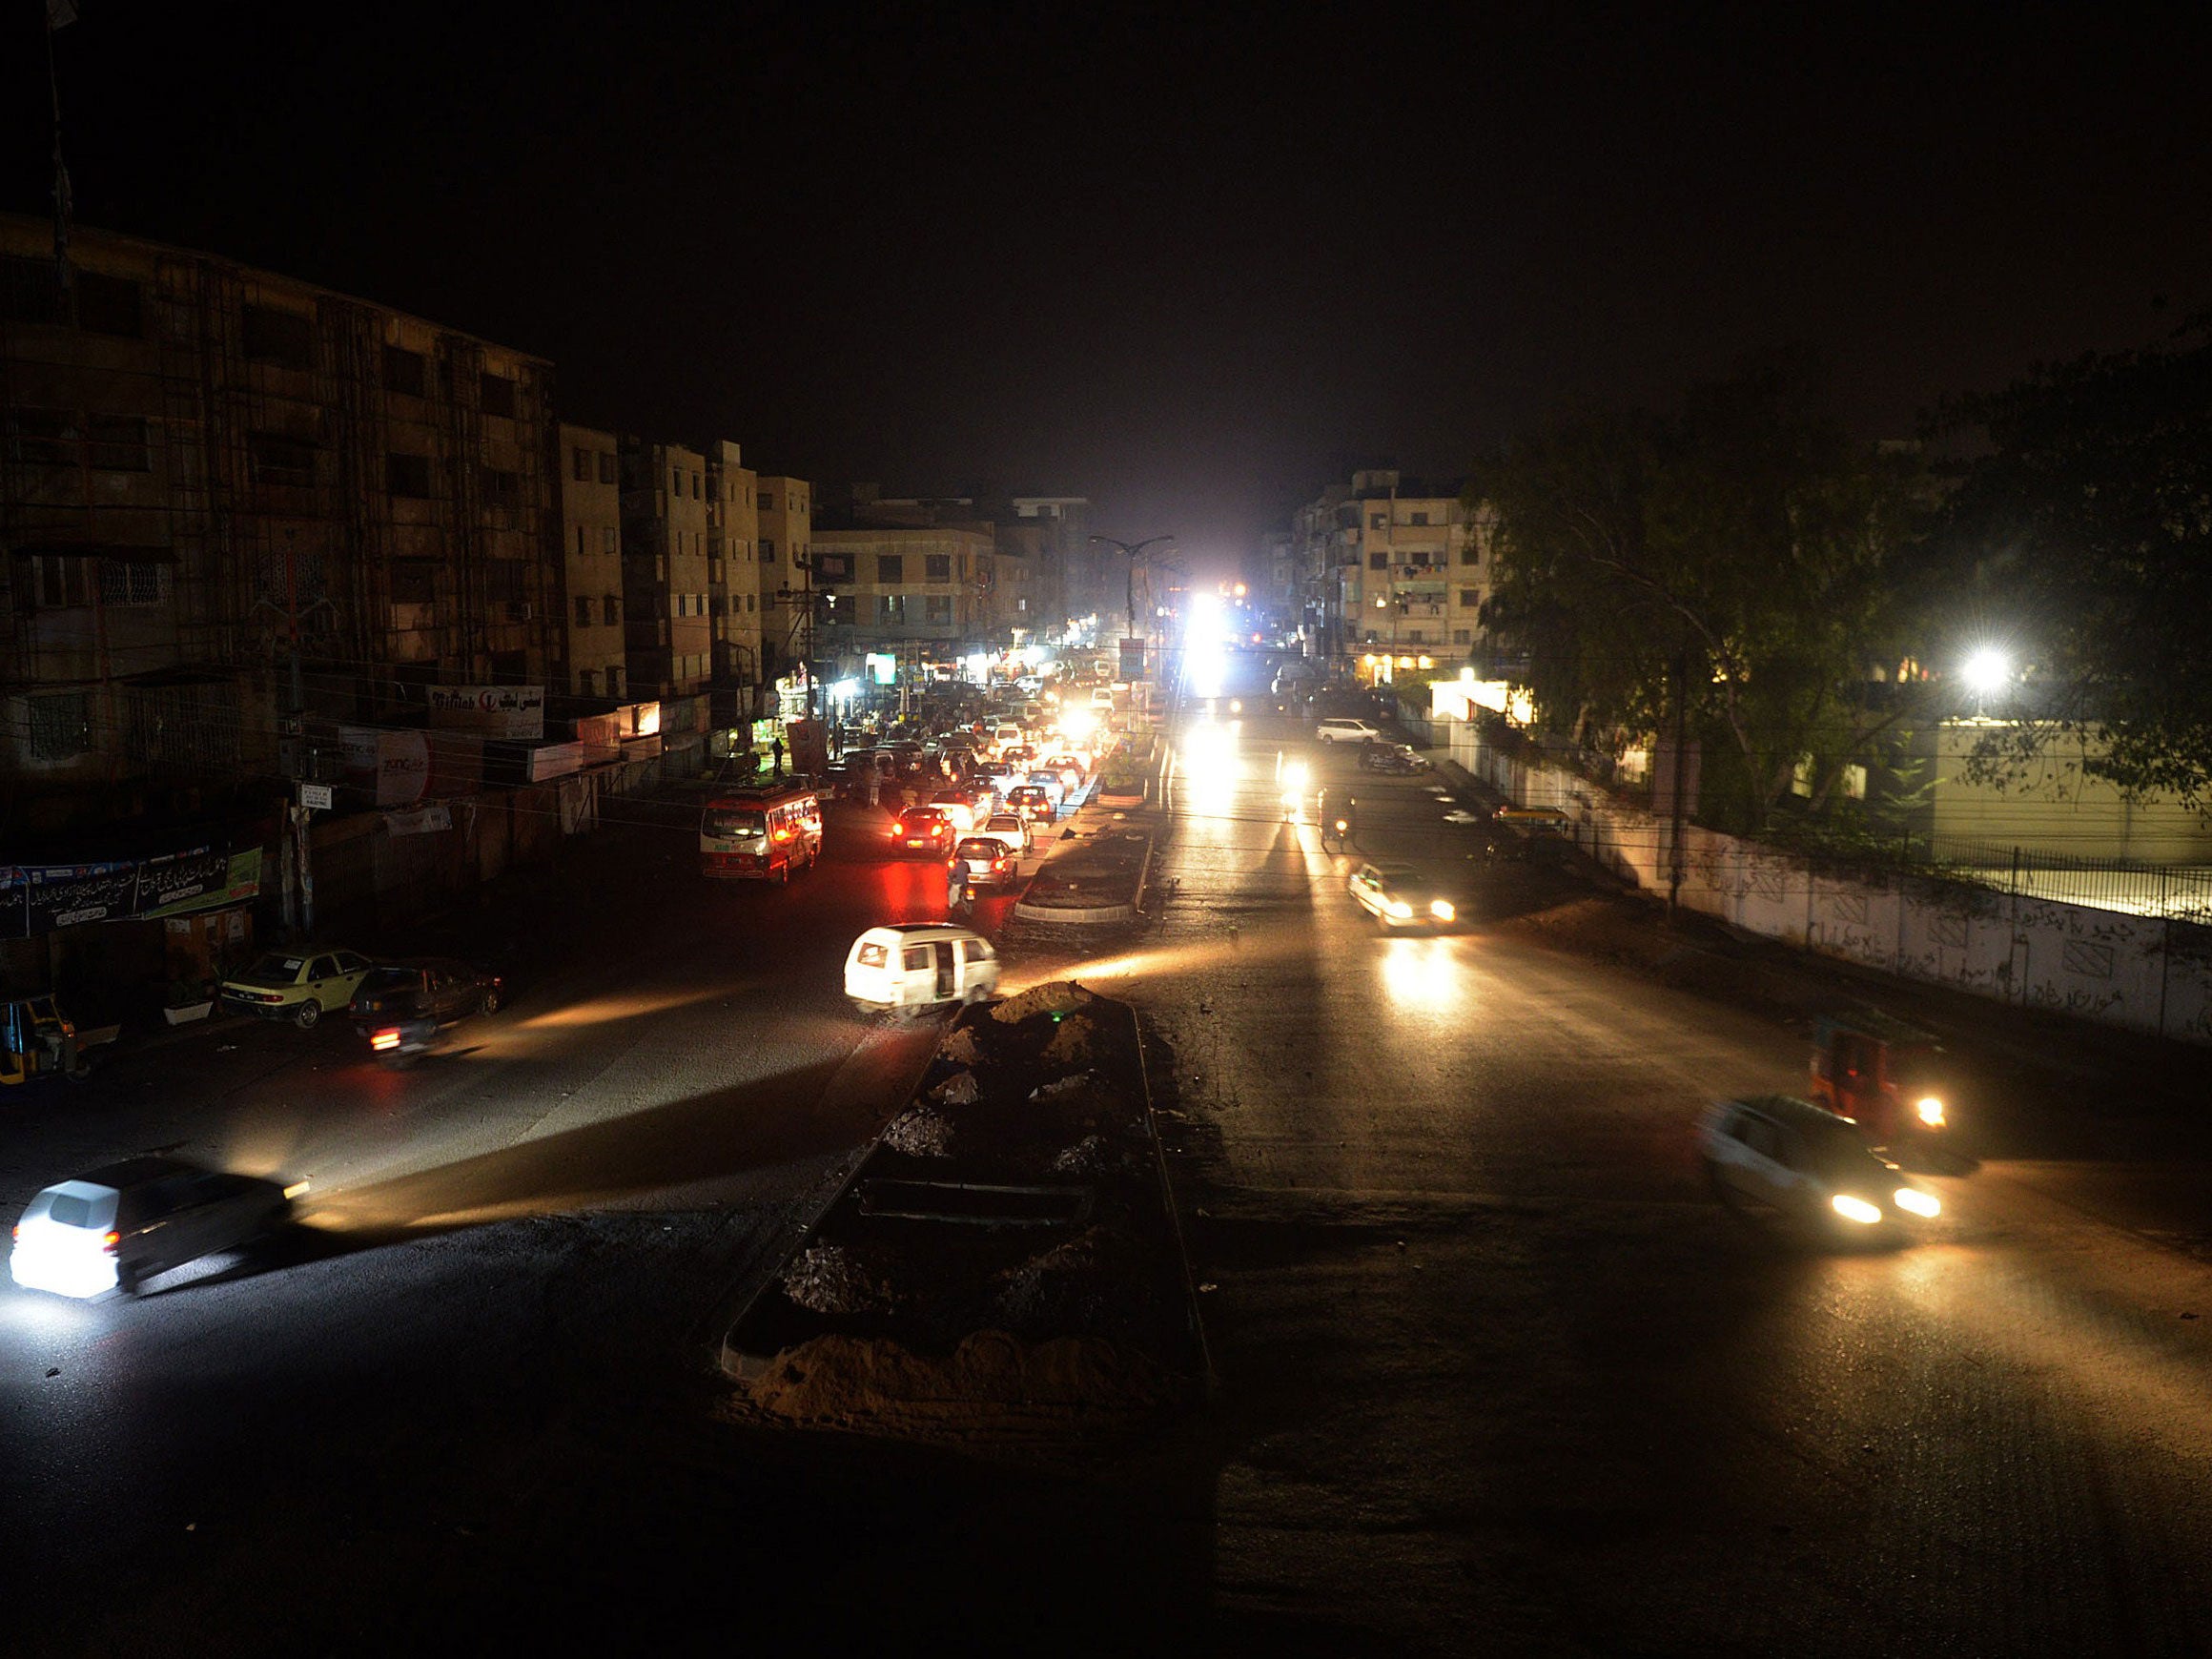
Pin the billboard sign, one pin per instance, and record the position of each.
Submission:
(509, 712)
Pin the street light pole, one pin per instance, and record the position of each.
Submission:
(1129, 586)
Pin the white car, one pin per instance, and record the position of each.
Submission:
(1345, 731)
(1011, 828)
(911, 967)
(1804, 1162)
(121, 1224)
(1050, 783)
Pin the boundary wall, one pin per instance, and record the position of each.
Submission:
(2145, 974)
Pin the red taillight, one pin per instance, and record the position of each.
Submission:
(109, 1244)
(384, 1039)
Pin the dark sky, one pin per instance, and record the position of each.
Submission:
(1192, 262)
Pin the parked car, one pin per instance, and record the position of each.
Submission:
(402, 1008)
(1011, 829)
(987, 861)
(923, 830)
(124, 1222)
(1345, 729)
(910, 967)
(1392, 757)
(1400, 896)
(300, 985)
(1804, 1162)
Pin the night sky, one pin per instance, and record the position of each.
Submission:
(1193, 263)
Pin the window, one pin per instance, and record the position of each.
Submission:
(937, 607)
(695, 486)
(61, 726)
(585, 678)
(890, 568)
(1417, 517)
(413, 580)
(109, 305)
(1470, 553)
(675, 481)
(748, 603)
(508, 579)
(1470, 597)
(118, 443)
(406, 372)
(768, 500)
(130, 581)
(59, 582)
(496, 394)
(768, 551)
(502, 489)
(937, 566)
(890, 608)
(614, 680)
(1378, 560)
(408, 474)
(607, 468)
(281, 462)
(29, 290)
(611, 605)
(583, 611)
(608, 541)
(1462, 637)
(580, 464)
(283, 337)
(1378, 520)
(43, 437)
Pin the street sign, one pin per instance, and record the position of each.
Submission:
(1132, 660)
(315, 796)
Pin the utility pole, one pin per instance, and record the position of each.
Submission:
(293, 864)
(1681, 773)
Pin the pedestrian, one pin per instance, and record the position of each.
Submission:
(1351, 819)
(955, 885)
(776, 749)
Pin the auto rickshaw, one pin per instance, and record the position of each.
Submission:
(1882, 1073)
(37, 1042)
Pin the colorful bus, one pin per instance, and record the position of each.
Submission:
(760, 835)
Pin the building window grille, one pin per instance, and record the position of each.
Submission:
(890, 608)
(59, 580)
(130, 581)
(42, 437)
(414, 582)
(583, 611)
(283, 337)
(61, 726)
(580, 464)
(611, 606)
(938, 607)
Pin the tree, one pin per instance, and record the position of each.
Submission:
(2087, 523)
(1742, 547)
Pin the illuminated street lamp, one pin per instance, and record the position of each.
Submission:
(1986, 672)
(1129, 589)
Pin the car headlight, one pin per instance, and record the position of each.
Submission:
(1855, 1209)
(1400, 908)
(1440, 910)
(1930, 1111)
(1920, 1204)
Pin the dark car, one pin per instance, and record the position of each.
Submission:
(402, 1008)
(1033, 801)
(989, 863)
(923, 830)
(1392, 757)
(121, 1224)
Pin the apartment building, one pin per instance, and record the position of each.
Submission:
(734, 570)
(591, 659)
(785, 510)
(211, 472)
(666, 641)
(1392, 566)
(1056, 536)
(934, 583)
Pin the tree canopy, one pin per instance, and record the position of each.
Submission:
(2086, 526)
(1744, 543)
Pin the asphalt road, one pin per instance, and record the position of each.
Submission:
(1497, 1374)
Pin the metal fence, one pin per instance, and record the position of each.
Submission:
(2181, 892)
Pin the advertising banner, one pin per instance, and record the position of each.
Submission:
(238, 882)
(36, 899)
(391, 767)
(508, 711)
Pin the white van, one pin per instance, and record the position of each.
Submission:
(910, 967)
